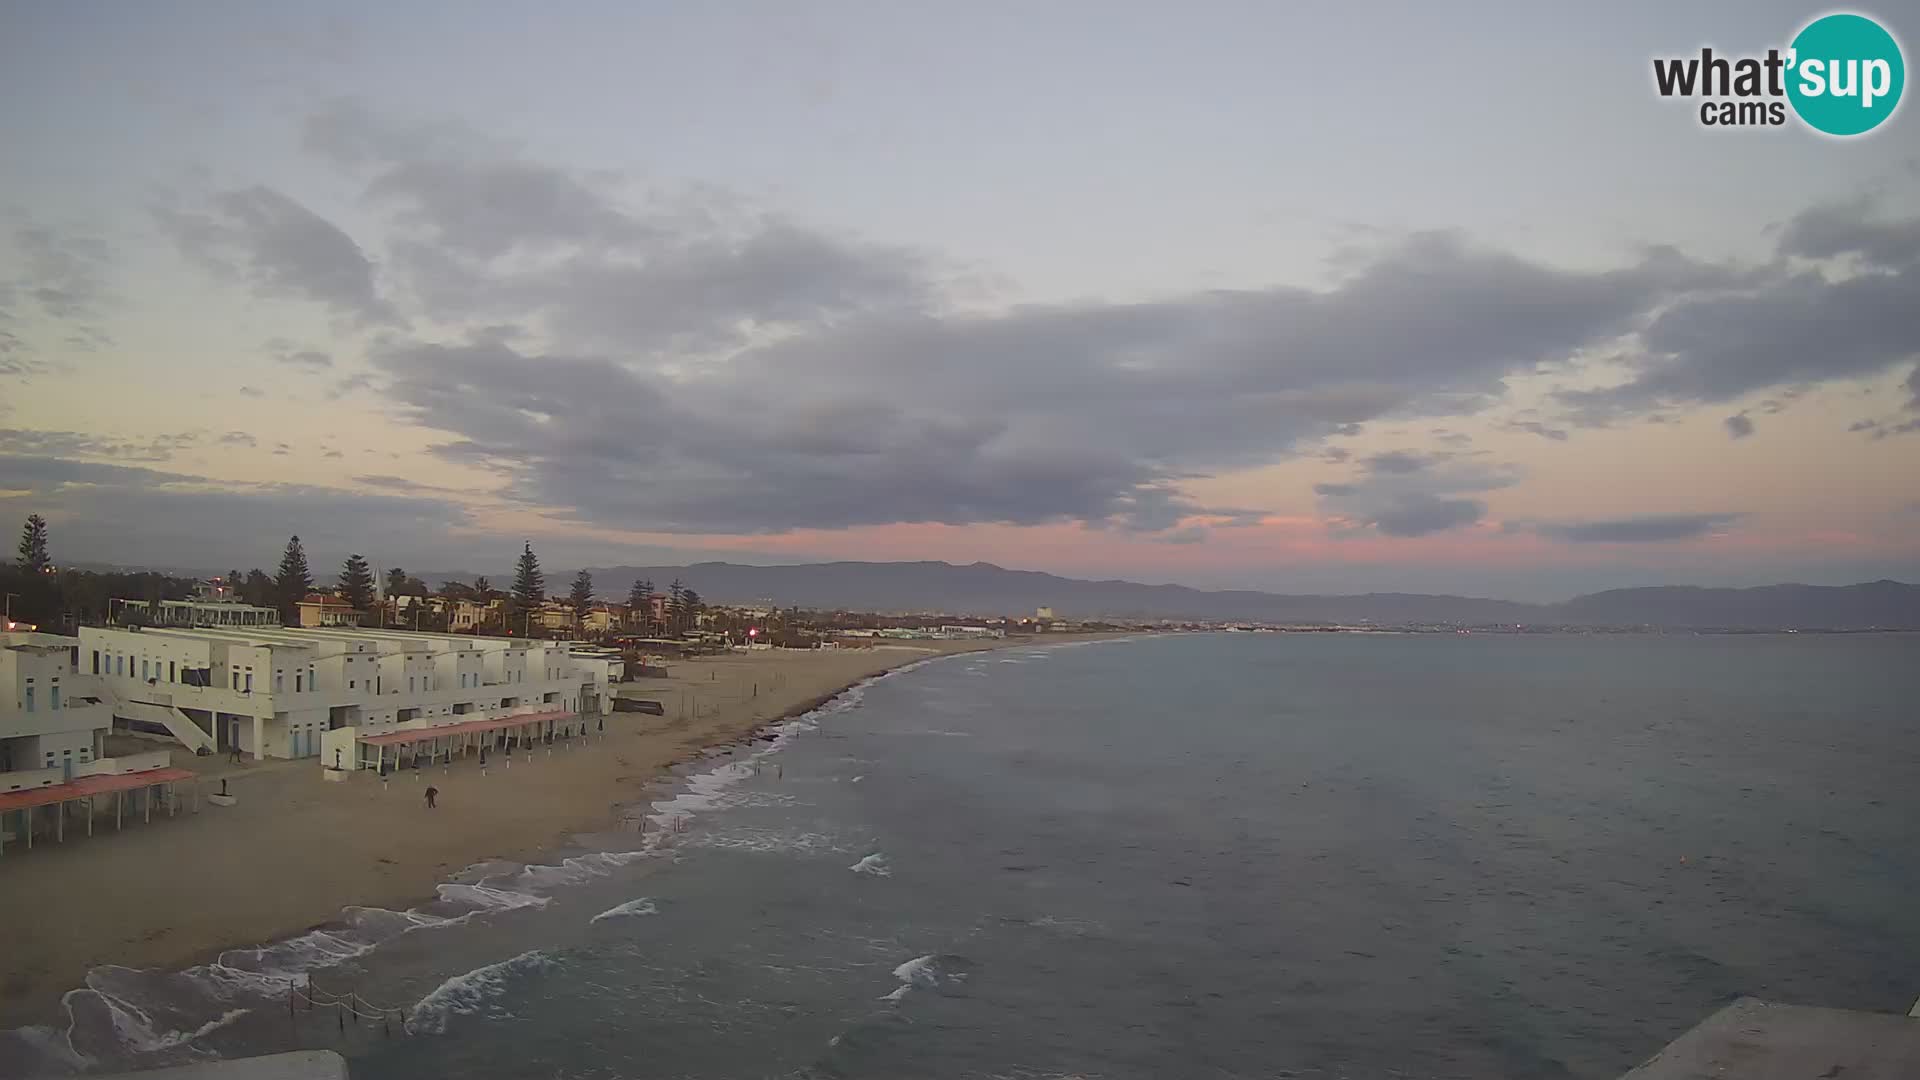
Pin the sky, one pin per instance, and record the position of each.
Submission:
(1301, 297)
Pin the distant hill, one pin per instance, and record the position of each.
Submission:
(1885, 604)
(985, 589)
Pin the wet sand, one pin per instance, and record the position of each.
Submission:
(295, 849)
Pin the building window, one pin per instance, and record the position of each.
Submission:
(279, 681)
(53, 699)
(30, 699)
(143, 669)
(409, 684)
(351, 684)
(249, 682)
(172, 675)
(96, 661)
(296, 682)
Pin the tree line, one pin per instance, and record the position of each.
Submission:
(38, 592)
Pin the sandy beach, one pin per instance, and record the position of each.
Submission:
(295, 849)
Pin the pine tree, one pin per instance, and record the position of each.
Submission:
(690, 605)
(581, 595)
(529, 585)
(294, 581)
(356, 583)
(640, 604)
(676, 605)
(33, 545)
(257, 589)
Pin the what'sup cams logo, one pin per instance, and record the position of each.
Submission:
(1842, 75)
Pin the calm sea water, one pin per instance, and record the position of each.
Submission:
(1209, 856)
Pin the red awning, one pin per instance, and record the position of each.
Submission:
(87, 786)
(413, 735)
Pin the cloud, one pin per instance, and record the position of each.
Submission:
(1408, 493)
(482, 233)
(62, 275)
(311, 359)
(1399, 462)
(33, 442)
(238, 438)
(1192, 534)
(1535, 427)
(1739, 425)
(1418, 514)
(189, 521)
(1649, 528)
(1850, 229)
(282, 250)
(350, 384)
(1780, 326)
(253, 392)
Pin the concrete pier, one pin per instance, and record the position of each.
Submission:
(1754, 1040)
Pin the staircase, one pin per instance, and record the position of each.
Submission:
(178, 724)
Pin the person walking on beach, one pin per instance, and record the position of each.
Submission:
(432, 794)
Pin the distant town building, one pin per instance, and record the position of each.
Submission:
(320, 609)
(553, 615)
(196, 612)
(1044, 614)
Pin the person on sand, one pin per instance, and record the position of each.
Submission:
(432, 794)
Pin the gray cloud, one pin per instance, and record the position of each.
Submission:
(1777, 327)
(1650, 528)
(1535, 427)
(25, 441)
(62, 273)
(1087, 412)
(1851, 229)
(311, 359)
(282, 250)
(1418, 514)
(1408, 493)
(482, 233)
(252, 392)
(1399, 462)
(1739, 425)
(238, 438)
(185, 521)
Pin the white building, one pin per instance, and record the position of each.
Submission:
(327, 691)
(51, 718)
(197, 612)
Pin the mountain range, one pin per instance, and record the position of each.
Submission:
(986, 589)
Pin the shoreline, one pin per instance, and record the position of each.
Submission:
(174, 895)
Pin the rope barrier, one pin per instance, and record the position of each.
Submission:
(343, 1005)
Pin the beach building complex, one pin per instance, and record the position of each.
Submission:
(51, 719)
(340, 693)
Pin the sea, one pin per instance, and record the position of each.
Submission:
(1310, 855)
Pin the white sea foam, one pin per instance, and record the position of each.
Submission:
(537, 877)
(874, 865)
(474, 993)
(642, 906)
(489, 899)
(772, 841)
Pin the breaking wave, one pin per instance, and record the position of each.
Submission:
(475, 993)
